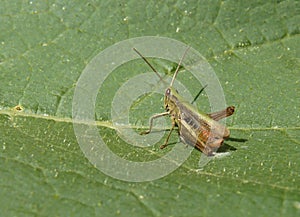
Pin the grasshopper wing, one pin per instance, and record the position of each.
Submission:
(200, 130)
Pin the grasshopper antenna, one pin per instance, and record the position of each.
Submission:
(196, 97)
(179, 64)
(153, 69)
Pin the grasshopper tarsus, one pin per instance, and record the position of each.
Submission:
(163, 146)
(145, 132)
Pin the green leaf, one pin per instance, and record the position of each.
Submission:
(253, 46)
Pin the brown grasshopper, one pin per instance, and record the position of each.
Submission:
(195, 128)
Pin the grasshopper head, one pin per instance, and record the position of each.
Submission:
(168, 94)
(170, 98)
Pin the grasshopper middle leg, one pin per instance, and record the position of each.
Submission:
(151, 121)
(167, 140)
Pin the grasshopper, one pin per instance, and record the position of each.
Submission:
(195, 128)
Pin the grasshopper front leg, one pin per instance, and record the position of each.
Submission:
(151, 121)
(167, 140)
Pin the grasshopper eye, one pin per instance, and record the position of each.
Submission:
(168, 91)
